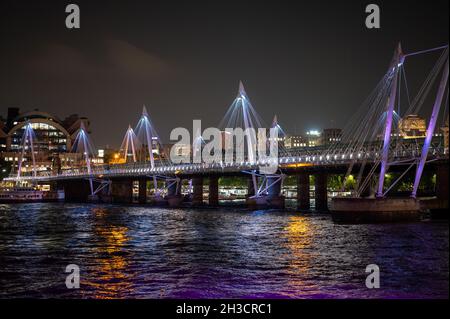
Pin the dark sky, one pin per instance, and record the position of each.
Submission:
(310, 62)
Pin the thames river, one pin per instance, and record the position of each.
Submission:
(144, 252)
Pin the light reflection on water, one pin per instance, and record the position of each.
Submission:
(299, 233)
(112, 280)
(143, 252)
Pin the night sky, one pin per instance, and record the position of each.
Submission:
(310, 62)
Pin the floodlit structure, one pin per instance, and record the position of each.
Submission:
(129, 144)
(53, 139)
(266, 188)
(368, 148)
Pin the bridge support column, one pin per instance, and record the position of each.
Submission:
(303, 196)
(439, 206)
(213, 198)
(271, 198)
(75, 190)
(122, 191)
(142, 191)
(274, 186)
(53, 186)
(321, 192)
(442, 182)
(172, 189)
(174, 197)
(104, 196)
(250, 187)
(366, 191)
(197, 196)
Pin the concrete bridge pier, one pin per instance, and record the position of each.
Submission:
(321, 196)
(53, 186)
(172, 188)
(142, 198)
(75, 190)
(273, 198)
(122, 191)
(213, 198)
(197, 188)
(105, 195)
(439, 206)
(274, 186)
(250, 187)
(366, 191)
(303, 196)
(174, 197)
(442, 182)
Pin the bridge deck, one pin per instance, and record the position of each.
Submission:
(294, 161)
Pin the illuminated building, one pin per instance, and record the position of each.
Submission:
(313, 138)
(3, 137)
(445, 133)
(294, 141)
(52, 139)
(280, 141)
(412, 126)
(112, 156)
(100, 158)
(281, 135)
(331, 135)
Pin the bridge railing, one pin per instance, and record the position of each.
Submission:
(408, 152)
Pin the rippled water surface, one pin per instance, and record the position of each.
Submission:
(142, 252)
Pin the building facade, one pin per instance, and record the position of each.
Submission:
(331, 136)
(412, 126)
(314, 138)
(294, 141)
(52, 139)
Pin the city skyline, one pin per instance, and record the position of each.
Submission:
(224, 155)
(122, 59)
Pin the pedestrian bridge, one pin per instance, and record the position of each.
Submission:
(293, 160)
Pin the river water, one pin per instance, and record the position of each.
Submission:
(144, 252)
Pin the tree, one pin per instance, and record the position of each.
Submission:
(5, 169)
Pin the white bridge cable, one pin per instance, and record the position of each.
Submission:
(427, 85)
(27, 143)
(358, 136)
(130, 143)
(362, 134)
(358, 130)
(83, 145)
(150, 147)
(242, 115)
(361, 139)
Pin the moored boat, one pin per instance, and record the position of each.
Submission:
(21, 195)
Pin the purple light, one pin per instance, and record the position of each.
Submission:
(430, 129)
